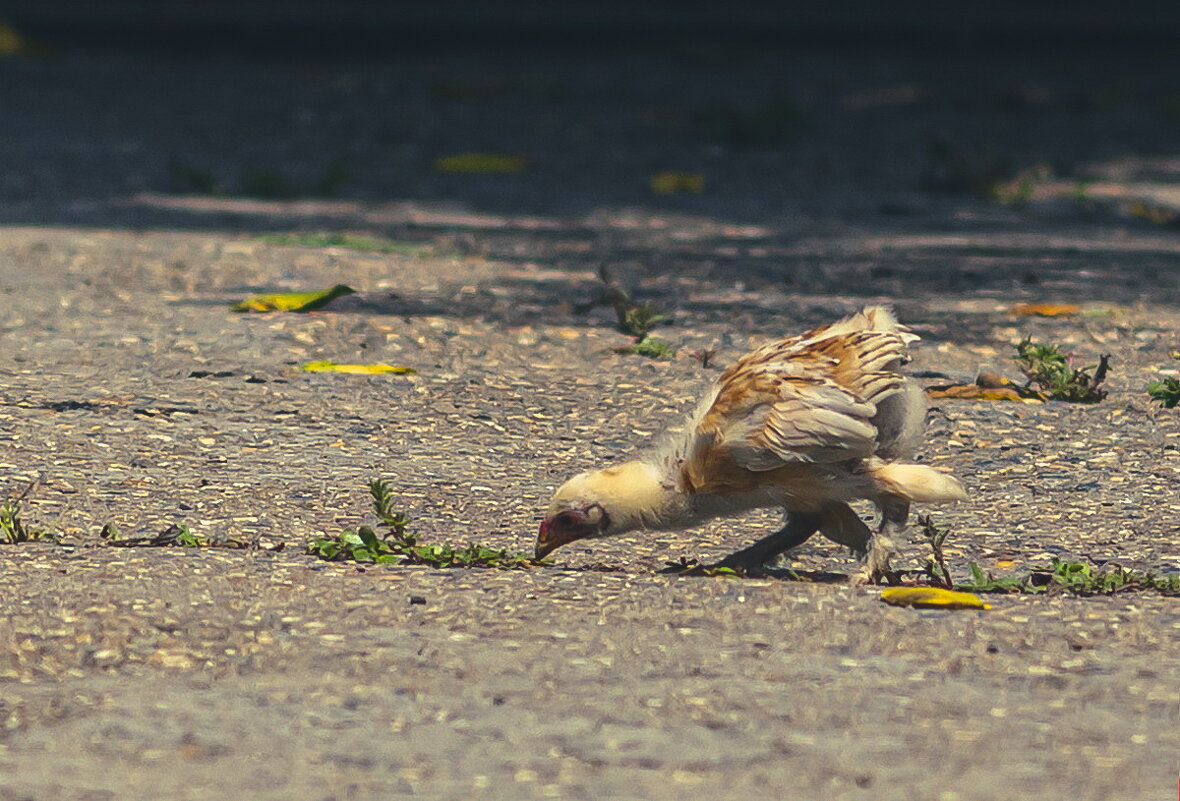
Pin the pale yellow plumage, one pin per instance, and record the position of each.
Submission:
(807, 423)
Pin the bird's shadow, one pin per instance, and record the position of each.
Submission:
(691, 567)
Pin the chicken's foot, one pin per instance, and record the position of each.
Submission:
(895, 511)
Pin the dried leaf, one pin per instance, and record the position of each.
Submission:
(672, 182)
(932, 598)
(480, 164)
(292, 301)
(356, 369)
(1046, 309)
(985, 393)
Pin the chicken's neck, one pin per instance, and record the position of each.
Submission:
(645, 495)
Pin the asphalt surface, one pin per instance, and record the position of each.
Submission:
(130, 394)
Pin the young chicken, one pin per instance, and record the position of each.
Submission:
(807, 423)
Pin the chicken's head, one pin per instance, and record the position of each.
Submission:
(600, 503)
(576, 512)
(568, 525)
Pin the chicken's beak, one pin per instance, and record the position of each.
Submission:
(571, 525)
(549, 539)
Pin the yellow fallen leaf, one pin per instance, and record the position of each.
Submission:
(932, 598)
(1045, 309)
(292, 301)
(673, 182)
(976, 392)
(11, 42)
(356, 369)
(480, 164)
(1160, 215)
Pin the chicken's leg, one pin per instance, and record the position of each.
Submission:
(798, 529)
(895, 511)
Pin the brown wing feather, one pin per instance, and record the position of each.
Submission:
(808, 399)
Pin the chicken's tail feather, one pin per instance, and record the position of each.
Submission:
(917, 483)
(870, 318)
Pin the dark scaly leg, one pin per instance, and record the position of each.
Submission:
(798, 529)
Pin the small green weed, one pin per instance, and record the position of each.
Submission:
(14, 531)
(640, 319)
(650, 347)
(398, 546)
(1166, 391)
(1054, 374)
(982, 581)
(637, 320)
(1083, 579)
(1019, 190)
(634, 319)
(185, 538)
(360, 242)
(1080, 193)
(177, 535)
(1079, 578)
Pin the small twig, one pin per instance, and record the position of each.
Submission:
(704, 356)
(32, 485)
(936, 537)
(1100, 372)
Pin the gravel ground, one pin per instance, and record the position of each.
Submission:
(129, 394)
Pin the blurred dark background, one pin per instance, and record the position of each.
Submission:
(905, 114)
(376, 28)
